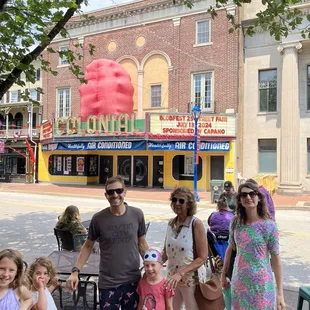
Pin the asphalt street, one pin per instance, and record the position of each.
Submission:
(27, 221)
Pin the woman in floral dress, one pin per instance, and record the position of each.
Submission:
(256, 238)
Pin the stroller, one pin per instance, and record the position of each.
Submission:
(218, 244)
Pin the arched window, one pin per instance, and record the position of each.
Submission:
(11, 120)
(19, 120)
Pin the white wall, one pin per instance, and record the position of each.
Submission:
(261, 53)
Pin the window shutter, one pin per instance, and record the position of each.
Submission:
(26, 91)
(18, 95)
(38, 74)
(38, 96)
(7, 97)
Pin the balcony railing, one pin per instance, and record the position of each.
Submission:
(18, 133)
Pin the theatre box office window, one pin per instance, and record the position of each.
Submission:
(183, 167)
(73, 165)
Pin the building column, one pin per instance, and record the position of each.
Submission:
(140, 94)
(290, 182)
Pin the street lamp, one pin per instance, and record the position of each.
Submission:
(196, 114)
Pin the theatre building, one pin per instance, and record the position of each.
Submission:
(157, 152)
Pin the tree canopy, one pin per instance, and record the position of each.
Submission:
(28, 27)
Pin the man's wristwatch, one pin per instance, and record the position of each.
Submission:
(75, 269)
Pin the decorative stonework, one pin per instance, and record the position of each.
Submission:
(125, 12)
(176, 21)
(112, 46)
(140, 41)
(290, 45)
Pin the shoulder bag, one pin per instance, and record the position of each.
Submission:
(208, 295)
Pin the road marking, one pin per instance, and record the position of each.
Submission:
(42, 207)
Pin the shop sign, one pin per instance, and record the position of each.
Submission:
(101, 124)
(46, 131)
(101, 145)
(183, 125)
(49, 147)
(205, 146)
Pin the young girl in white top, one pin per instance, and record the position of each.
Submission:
(13, 295)
(42, 279)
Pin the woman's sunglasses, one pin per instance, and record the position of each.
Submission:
(118, 191)
(251, 194)
(175, 200)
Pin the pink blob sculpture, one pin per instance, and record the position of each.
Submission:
(109, 90)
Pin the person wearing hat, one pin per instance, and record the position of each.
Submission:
(152, 292)
(230, 195)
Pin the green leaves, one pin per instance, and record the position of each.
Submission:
(27, 28)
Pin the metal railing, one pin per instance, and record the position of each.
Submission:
(16, 133)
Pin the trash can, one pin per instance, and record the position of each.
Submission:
(217, 188)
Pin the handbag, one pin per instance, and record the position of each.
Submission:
(208, 295)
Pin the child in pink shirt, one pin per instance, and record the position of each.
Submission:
(153, 294)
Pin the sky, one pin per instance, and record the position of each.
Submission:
(99, 4)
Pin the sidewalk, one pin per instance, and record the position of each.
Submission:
(147, 194)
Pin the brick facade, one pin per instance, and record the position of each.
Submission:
(177, 41)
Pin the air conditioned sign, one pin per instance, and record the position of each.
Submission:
(183, 125)
(98, 146)
(189, 146)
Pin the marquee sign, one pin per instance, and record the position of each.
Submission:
(101, 125)
(189, 146)
(183, 125)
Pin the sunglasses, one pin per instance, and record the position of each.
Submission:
(251, 194)
(118, 191)
(180, 200)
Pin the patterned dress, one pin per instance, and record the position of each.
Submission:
(253, 285)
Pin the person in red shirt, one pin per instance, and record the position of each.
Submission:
(153, 295)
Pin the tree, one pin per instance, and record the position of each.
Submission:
(279, 17)
(27, 28)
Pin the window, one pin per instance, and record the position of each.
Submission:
(203, 32)
(268, 91)
(63, 58)
(34, 120)
(63, 99)
(155, 96)
(267, 155)
(183, 167)
(202, 90)
(308, 87)
(38, 74)
(79, 165)
(34, 95)
(14, 96)
(308, 151)
(19, 120)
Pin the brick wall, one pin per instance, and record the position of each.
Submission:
(177, 41)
